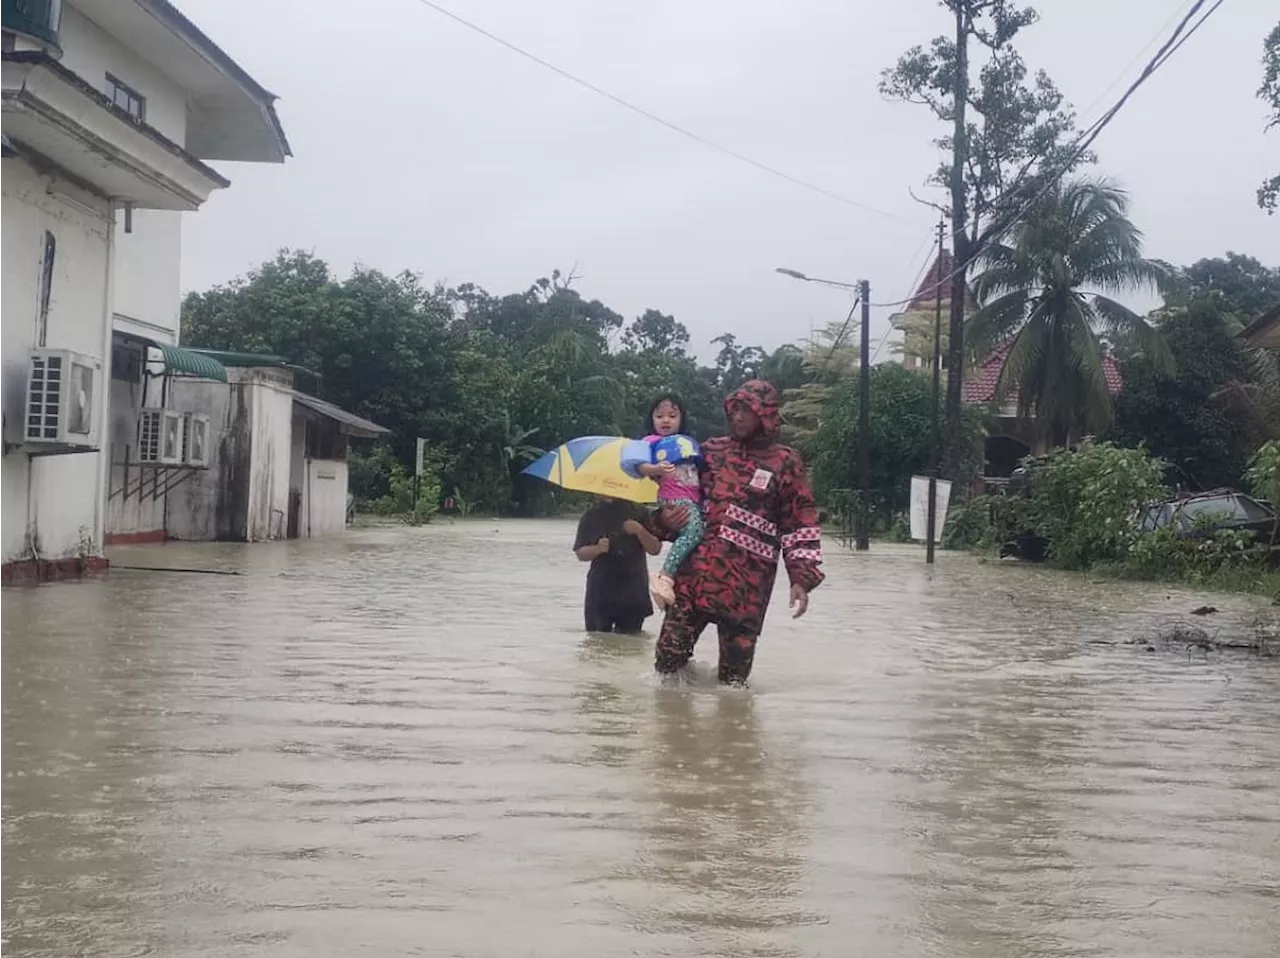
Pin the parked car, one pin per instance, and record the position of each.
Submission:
(1191, 513)
(1218, 509)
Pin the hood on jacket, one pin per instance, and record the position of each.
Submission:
(763, 400)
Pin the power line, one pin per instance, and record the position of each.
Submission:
(1180, 35)
(653, 117)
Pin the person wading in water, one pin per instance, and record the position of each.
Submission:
(612, 536)
(757, 503)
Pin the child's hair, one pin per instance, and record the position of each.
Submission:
(658, 401)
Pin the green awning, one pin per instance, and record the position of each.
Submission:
(179, 360)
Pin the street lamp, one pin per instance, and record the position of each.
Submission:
(863, 538)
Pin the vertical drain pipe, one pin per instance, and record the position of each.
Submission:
(104, 405)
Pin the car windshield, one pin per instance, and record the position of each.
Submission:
(1223, 508)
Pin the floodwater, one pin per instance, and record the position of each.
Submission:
(399, 742)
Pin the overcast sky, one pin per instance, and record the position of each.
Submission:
(422, 145)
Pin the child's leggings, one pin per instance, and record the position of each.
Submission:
(684, 544)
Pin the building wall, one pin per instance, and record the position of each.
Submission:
(92, 53)
(135, 504)
(148, 259)
(212, 503)
(244, 494)
(325, 498)
(272, 423)
(55, 498)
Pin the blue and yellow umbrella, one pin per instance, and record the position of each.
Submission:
(594, 464)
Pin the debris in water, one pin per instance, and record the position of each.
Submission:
(1204, 610)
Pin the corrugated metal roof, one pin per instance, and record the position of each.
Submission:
(228, 358)
(177, 359)
(352, 424)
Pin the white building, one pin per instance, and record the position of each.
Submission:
(110, 110)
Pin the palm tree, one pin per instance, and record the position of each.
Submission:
(1043, 296)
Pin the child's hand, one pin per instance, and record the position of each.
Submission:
(665, 469)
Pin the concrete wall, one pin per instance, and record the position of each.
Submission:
(135, 508)
(213, 503)
(271, 417)
(244, 494)
(52, 502)
(148, 259)
(324, 501)
(92, 53)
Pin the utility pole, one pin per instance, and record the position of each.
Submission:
(936, 439)
(864, 423)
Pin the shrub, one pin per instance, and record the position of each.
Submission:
(1263, 474)
(1199, 557)
(380, 470)
(1084, 501)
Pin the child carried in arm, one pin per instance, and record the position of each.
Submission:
(673, 463)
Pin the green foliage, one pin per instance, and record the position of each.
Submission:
(1084, 501)
(1263, 474)
(1196, 558)
(972, 523)
(900, 421)
(1006, 133)
(489, 380)
(1240, 286)
(1269, 93)
(1180, 417)
(1011, 122)
(1037, 307)
(379, 470)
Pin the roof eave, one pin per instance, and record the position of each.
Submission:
(201, 43)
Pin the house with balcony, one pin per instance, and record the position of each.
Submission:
(112, 112)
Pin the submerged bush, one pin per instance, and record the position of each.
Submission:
(1084, 501)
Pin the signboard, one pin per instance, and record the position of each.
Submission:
(920, 507)
(418, 459)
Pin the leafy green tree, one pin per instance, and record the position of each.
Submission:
(736, 364)
(655, 332)
(1269, 93)
(900, 431)
(1180, 416)
(1007, 134)
(1032, 291)
(485, 379)
(1241, 287)
(784, 367)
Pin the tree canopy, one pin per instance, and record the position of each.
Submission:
(1036, 300)
(1007, 132)
(1269, 93)
(487, 380)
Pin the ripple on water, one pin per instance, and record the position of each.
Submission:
(399, 742)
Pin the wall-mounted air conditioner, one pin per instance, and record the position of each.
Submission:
(62, 399)
(195, 440)
(160, 433)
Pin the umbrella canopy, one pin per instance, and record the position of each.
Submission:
(594, 464)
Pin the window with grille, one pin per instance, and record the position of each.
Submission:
(127, 98)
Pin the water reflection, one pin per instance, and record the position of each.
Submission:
(725, 837)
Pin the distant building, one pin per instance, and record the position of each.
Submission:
(275, 465)
(918, 319)
(111, 109)
(1009, 438)
(1264, 332)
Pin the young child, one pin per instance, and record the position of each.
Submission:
(673, 464)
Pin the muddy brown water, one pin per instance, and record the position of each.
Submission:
(399, 742)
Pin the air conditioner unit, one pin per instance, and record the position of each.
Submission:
(160, 433)
(61, 399)
(195, 440)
